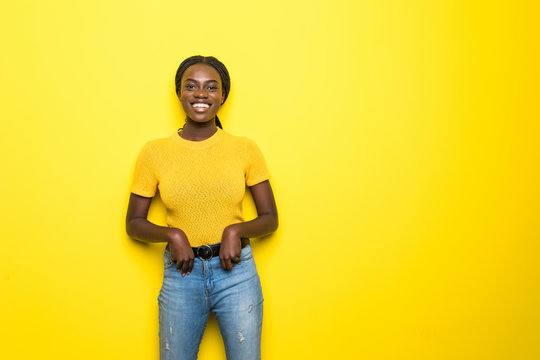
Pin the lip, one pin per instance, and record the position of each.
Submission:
(200, 109)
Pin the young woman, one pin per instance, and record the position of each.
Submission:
(201, 173)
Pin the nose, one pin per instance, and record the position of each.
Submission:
(201, 93)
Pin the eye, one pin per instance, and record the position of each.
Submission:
(212, 88)
(190, 86)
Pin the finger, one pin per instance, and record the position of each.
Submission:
(190, 266)
(178, 265)
(222, 263)
(228, 264)
(236, 259)
(185, 267)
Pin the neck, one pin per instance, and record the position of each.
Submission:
(195, 131)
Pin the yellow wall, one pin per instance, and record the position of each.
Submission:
(403, 141)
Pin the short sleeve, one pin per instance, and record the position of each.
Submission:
(256, 169)
(145, 180)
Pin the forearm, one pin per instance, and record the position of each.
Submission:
(261, 225)
(143, 230)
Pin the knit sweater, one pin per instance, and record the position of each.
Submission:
(201, 183)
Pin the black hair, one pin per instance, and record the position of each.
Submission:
(216, 64)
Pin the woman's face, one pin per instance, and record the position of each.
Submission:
(200, 92)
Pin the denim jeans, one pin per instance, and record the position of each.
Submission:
(185, 303)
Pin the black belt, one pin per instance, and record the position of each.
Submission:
(206, 252)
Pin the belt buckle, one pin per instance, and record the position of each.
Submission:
(204, 252)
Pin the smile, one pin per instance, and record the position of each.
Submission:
(200, 106)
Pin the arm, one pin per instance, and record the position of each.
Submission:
(138, 227)
(266, 222)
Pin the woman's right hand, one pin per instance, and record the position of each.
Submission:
(138, 227)
(181, 251)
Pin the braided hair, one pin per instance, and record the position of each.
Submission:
(216, 64)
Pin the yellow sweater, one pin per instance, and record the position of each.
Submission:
(201, 183)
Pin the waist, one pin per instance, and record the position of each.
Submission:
(208, 251)
(206, 229)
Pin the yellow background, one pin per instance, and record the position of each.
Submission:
(402, 138)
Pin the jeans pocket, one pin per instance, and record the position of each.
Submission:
(167, 261)
(246, 253)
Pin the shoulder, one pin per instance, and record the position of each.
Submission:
(163, 141)
(155, 145)
(155, 150)
(239, 141)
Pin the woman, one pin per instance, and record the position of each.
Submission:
(201, 173)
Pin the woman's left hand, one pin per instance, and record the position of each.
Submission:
(231, 248)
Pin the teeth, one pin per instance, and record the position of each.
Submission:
(200, 105)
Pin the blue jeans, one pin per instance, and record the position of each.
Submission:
(185, 303)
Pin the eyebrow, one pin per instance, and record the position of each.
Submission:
(209, 81)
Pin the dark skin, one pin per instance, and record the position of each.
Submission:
(201, 84)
